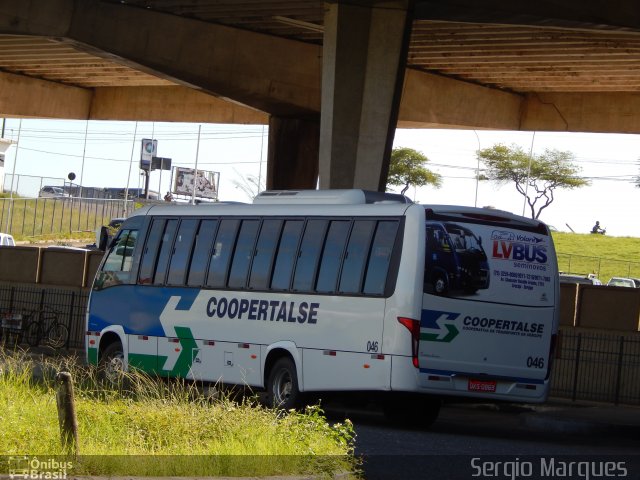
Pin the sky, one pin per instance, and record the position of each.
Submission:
(109, 155)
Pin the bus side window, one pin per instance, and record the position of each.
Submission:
(165, 250)
(306, 266)
(441, 240)
(287, 251)
(265, 253)
(117, 266)
(356, 256)
(221, 253)
(332, 256)
(200, 258)
(243, 253)
(380, 257)
(150, 252)
(432, 245)
(182, 251)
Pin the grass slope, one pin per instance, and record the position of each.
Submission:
(604, 255)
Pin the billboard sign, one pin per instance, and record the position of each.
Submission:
(206, 182)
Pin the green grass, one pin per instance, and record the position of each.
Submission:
(127, 431)
(600, 254)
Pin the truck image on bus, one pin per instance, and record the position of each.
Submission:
(324, 293)
(455, 259)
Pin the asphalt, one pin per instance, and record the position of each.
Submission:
(573, 418)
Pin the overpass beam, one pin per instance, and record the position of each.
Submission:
(365, 50)
(292, 160)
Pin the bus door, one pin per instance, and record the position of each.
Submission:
(501, 331)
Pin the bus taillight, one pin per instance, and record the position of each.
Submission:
(414, 327)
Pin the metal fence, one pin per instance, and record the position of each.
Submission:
(604, 268)
(31, 186)
(597, 367)
(70, 305)
(33, 217)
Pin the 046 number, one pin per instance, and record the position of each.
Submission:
(535, 362)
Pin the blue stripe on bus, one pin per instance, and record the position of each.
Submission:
(136, 307)
(478, 376)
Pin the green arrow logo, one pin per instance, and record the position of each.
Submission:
(434, 337)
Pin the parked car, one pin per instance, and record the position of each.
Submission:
(589, 279)
(6, 240)
(53, 192)
(623, 282)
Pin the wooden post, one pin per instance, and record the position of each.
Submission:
(67, 411)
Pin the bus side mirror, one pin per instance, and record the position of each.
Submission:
(104, 238)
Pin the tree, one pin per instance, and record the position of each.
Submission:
(249, 185)
(407, 168)
(536, 177)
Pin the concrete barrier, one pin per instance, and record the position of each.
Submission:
(608, 308)
(19, 264)
(62, 267)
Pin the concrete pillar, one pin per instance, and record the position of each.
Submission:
(292, 159)
(365, 50)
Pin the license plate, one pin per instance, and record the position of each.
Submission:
(488, 386)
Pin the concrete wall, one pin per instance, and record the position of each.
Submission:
(19, 264)
(587, 306)
(51, 267)
(609, 308)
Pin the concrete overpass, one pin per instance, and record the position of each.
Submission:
(332, 79)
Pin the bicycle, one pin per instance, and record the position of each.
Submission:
(45, 325)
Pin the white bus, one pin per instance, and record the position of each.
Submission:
(332, 291)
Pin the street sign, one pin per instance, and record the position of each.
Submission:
(160, 163)
(147, 152)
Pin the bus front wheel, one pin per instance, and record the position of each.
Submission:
(440, 285)
(112, 363)
(282, 385)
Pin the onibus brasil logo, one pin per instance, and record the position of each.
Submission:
(28, 468)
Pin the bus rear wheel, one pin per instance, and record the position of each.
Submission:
(282, 385)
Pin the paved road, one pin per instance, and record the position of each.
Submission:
(464, 433)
